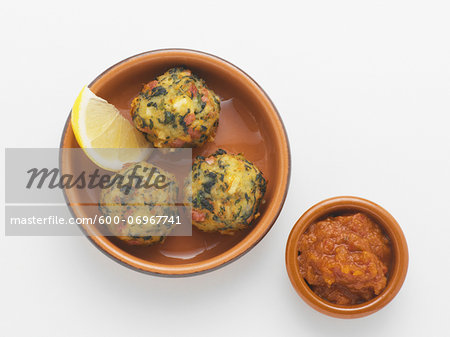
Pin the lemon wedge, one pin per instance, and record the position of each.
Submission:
(107, 138)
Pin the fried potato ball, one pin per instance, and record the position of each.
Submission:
(176, 110)
(227, 191)
(134, 201)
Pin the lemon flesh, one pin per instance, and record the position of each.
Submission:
(107, 138)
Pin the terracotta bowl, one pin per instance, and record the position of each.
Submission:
(336, 206)
(249, 124)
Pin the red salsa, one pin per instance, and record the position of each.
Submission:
(345, 259)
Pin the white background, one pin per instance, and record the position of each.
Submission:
(364, 90)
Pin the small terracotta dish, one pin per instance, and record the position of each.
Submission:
(249, 124)
(338, 206)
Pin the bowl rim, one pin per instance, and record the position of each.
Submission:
(223, 259)
(390, 226)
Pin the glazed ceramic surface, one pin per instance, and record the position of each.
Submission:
(249, 124)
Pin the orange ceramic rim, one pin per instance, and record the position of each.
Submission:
(392, 229)
(258, 232)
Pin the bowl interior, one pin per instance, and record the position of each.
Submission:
(249, 124)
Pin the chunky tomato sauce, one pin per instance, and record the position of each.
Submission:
(345, 259)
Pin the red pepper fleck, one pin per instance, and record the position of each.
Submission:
(190, 117)
(177, 142)
(205, 94)
(146, 129)
(198, 216)
(195, 134)
(151, 85)
(193, 90)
